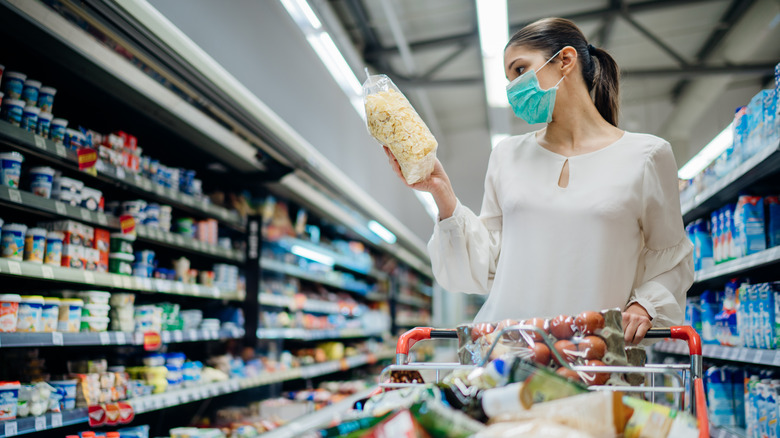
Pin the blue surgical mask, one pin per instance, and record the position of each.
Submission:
(528, 100)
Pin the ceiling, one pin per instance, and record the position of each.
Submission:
(663, 48)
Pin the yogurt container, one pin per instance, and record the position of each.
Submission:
(72, 199)
(94, 323)
(142, 270)
(30, 118)
(44, 124)
(30, 92)
(185, 226)
(68, 386)
(14, 84)
(41, 179)
(74, 139)
(120, 263)
(34, 245)
(9, 400)
(96, 297)
(11, 169)
(73, 256)
(13, 241)
(58, 127)
(122, 243)
(146, 257)
(95, 310)
(9, 308)
(13, 109)
(46, 99)
(122, 299)
(53, 254)
(91, 199)
(29, 317)
(70, 315)
(63, 184)
(50, 314)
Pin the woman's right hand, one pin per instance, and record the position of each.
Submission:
(438, 184)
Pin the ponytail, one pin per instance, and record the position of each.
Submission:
(605, 85)
(599, 70)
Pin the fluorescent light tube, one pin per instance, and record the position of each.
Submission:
(334, 61)
(493, 36)
(381, 231)
(708, 154)
(302, 13)
(312, 255)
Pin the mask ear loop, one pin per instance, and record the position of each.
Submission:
(548, 61)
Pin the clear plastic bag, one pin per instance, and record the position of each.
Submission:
(393, 122)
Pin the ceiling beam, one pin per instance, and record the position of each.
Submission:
(655, 39)
(456, 52)
(605, 31)
(472, 36)
(688, 72)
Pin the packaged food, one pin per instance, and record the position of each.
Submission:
(94, 323)
(53, 255)
(120, 263)
(30, 118)
(11, 169)
(44, 124)
(29, 315)
(63, 184)
(13, 241)
(91, 259)
(34, 245)
(50, 314)
(41, 179)
(13, 111)
(30, 92)
(122, 243)
(13, 85)
(9, 399)
(58, 127)
(73, 257)
(70, 315)
(394, 123)
(9, 310)
(92, 199)
(46, 99)
(655, 420)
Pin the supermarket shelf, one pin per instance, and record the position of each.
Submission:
(180, 242)
(112, 281)
(726, 432)
(739, 265)
(339, 260)
(313, 335)
(295, 271)
(56, 339)
(405, 323)
(763, 164)
(735, 354)
(26, 200)
(413, 302)
(56, 153)
(318, 419)
(314, 306)
(187, 395)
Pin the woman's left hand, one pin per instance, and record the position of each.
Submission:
(636, 323)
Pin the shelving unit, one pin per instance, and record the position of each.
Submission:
(59, 274)
(761, 165)
(740, 265)
(733, 354)
(58, 339)
(297, 272)
(314, 335)
(169, 399)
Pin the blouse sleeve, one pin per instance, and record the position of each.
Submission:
(464, 248)
(665, 269)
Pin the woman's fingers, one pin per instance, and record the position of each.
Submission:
(635, 327)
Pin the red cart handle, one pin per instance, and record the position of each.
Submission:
(408, 339)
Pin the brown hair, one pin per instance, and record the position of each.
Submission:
(599, 69)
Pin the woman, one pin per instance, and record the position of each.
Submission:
(579, 215)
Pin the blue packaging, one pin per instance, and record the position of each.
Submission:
(710, 307)
(738, 394)
(754, 336)
(749, 225)
(772, 204)
(30, 92)
(771, 134)
(743, 319)
(717, 249)
(30, 118)
(730, 231)
(13, 84)
(702, 246)
(719, 397)
(766, 309)
(693, 314)
(13, 110)
(740, 132)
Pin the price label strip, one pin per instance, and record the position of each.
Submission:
(56, 420)
(40, 143)
(40, 423)
(15, 196)
(10, 428)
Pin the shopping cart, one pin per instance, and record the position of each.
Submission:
(676, 373)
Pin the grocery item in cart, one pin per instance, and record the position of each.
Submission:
(590, 338)
(393, 122)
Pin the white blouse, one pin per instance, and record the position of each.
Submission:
(612, 237)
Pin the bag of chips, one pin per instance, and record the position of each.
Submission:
(393, 122)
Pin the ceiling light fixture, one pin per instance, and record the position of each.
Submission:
(381, 231)
(302, 13)
(493, 25)
(312, 255)
(708, 154)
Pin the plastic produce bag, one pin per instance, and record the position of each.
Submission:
(393, 122)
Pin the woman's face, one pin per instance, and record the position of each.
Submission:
(519, 59)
